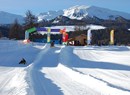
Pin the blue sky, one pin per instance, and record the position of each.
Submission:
(38, 6)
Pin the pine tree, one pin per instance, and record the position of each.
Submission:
(30, 20)
(15, 30)
(1, 34)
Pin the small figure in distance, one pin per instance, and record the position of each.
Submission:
(52, 44)
(23, 61)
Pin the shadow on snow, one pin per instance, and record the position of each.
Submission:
(42, 84)
(77, 62)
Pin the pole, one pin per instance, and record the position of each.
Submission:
(26, 35)
(89, 35)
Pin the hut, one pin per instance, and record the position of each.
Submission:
(79, 40)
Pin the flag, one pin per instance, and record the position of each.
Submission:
(48, 35)
(112, 37)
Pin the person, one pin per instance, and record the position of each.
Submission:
(23, 61)
(52, 44)
(60, 41)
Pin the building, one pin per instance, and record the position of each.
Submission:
(79, 40)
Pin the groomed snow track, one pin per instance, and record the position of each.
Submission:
(65, 70)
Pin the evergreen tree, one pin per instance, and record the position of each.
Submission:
(15, 30)
(30, 20)
(1, 34)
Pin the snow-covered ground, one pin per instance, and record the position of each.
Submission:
(63, 70)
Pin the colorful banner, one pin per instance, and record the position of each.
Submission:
(64, 37)
(32, 30)
(62, 31)
(112, 37)
(48, 35)
(55, 30)
(48, 30)
(41, 29)
(29, 31)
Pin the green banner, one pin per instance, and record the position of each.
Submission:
(31, 30)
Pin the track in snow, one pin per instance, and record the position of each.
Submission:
(65, 71)
(47, 78)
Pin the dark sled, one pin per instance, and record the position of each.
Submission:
(23, 61)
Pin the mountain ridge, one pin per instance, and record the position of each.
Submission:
(8, 18)
(80, 12)
(77, 12)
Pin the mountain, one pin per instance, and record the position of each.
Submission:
(89, 14)
(63, 20)
(49, 15)
(7, 18)
(81, 12)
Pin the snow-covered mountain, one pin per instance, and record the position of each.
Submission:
(80, 12)
(75, 12)
(7, 18)
(49, 15)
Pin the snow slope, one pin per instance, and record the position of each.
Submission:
(63, 70)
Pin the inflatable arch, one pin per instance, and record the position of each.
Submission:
(48, 30)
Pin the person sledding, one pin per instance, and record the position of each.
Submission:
(23, 61)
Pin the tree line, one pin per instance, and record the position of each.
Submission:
(17, 30)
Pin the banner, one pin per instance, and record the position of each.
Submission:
(32, 30)
(48, 35)
(64, 38)
(112, 37)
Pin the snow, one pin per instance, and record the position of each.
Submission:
(106, 13)
(81, 11)
(63, 70)
(92, 27)
(76, 12)
(95, 27)
(49, 15)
